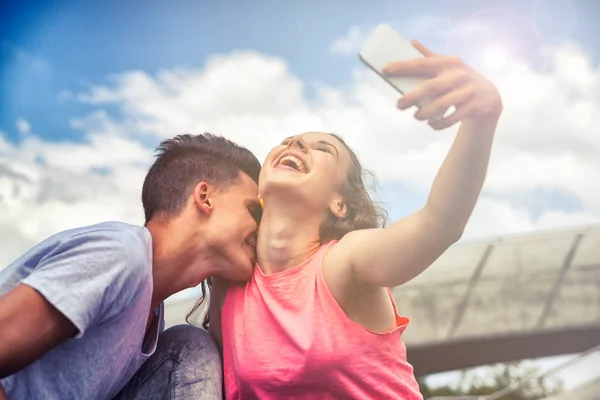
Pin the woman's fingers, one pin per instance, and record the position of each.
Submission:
(433, 88)
(422, 49)
(449, 83)
(457, 116)
(437, 108)
(420, 67)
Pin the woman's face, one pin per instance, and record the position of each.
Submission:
(310, 168)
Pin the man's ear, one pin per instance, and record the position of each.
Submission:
(339, 208)
(203, 198)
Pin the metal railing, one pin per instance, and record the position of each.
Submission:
(519, 385)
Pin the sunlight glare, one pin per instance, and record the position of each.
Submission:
(495, 58)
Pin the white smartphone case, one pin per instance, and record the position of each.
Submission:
(386, 46)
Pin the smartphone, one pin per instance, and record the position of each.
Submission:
(386, 46)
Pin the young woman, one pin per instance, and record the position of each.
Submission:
(317, 320)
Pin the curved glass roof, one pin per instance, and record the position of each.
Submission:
(533, 282)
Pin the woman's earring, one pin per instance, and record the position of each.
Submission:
(261, 202)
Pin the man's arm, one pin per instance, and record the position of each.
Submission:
(30, 327)
(87, 279)
(394, 255)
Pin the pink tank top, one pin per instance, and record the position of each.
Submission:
(286, 337)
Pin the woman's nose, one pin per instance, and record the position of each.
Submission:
(297, 142)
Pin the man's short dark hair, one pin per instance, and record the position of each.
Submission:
(185, 160)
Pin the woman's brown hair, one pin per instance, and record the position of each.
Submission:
(363, 212)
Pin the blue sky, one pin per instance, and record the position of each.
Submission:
(53, 47)
(52, 50)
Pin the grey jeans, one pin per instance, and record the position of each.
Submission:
(185, 365)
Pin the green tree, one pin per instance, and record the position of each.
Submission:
(474, 382)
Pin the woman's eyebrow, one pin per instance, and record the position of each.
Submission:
(325, 142)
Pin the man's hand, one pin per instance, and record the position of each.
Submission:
(29, 327)
(451, 83)
(3, 395)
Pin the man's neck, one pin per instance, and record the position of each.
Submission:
(176, 259)
(286, 238)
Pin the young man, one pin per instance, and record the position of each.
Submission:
(82, 311)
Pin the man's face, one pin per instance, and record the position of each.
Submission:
(232, 228)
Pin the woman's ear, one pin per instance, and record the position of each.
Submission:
(339, 208)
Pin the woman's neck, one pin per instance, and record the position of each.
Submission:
(286, 238)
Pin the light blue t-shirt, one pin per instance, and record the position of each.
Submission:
(100, 278)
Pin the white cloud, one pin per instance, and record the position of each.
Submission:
(351, 42)
(426, 28)
(547, 140)
(46, 187)
(23, 126)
